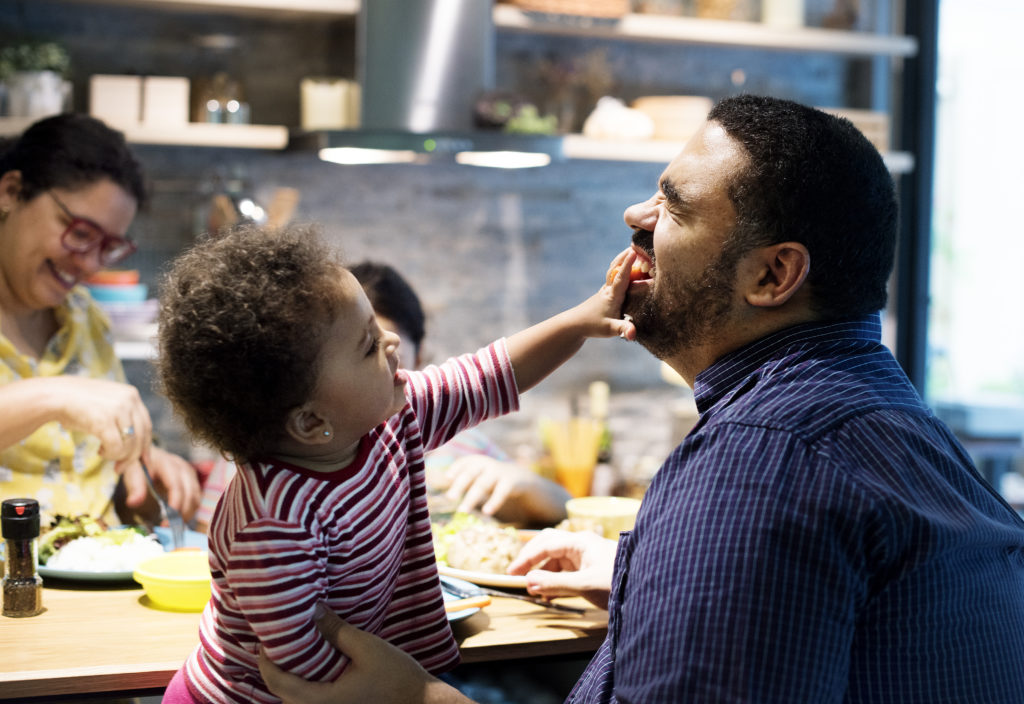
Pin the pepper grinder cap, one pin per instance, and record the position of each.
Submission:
(19, 519)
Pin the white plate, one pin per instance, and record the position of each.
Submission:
(193, 539)
(462, 613)
(79, 576)
(487, 579)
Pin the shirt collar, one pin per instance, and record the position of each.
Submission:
(712, 384)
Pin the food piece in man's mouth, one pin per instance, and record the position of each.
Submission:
(640, 271)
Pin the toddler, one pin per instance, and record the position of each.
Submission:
(271, 352)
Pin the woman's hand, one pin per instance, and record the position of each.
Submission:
(177, 476)
(378, 672)
(574, 564)
(108, 410)
(505, 490)
(111, 411)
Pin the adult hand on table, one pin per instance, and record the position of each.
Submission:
(177, 476)
(114, 413)
(505, 490)
(377, 672)
(574, 564)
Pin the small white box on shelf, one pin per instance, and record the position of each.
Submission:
(117, 100)
(329, 103)
(165, 101)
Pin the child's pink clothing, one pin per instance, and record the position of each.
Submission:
(177, 691)
(358, 539)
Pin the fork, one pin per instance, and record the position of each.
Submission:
(174, 519)
(477, 590)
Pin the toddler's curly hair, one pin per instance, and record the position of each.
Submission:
(243, 317)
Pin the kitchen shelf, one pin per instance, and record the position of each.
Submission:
(634, 26)
(192, 134)
(576, 146)
(340, 8)
(692, 30)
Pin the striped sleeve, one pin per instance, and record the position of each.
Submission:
(277, 572)
(463, 392)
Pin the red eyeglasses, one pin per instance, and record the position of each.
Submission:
(83, 235)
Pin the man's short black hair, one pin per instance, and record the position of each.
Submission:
(814, 178)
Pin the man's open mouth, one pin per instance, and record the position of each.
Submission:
(643, 245)
(641, 270)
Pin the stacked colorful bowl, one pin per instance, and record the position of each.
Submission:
(120, 294)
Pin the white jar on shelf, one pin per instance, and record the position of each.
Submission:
(783, 13)
(37, 94)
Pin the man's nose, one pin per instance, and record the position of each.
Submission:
(642, 215)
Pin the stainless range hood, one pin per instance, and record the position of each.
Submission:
(422, 66)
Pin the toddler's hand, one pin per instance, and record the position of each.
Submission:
(605, 306)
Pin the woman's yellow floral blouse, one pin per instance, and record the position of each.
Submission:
(62, 468)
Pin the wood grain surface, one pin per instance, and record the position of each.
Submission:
(104, 639)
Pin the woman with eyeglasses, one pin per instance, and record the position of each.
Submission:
(70, 425)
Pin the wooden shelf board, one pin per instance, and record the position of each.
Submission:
(340, 8)
(576, 146)
(193, 134)
(692, 30)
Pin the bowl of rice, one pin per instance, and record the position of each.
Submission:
(176, 581)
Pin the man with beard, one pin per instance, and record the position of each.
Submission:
(819, 536)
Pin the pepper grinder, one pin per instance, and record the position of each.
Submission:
(22, 585)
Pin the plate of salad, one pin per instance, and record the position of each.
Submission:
(85, 550)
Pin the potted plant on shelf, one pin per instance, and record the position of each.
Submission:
(33, 74)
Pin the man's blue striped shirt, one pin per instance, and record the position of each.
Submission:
(818, 537)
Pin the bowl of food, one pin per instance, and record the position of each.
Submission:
(176, 581)
(607, 515)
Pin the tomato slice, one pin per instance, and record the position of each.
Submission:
(635, 274)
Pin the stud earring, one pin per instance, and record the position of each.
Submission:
(327, 433)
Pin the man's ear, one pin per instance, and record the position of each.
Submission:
(307, 426)
(778, 272)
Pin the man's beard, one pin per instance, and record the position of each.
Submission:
(679, 315)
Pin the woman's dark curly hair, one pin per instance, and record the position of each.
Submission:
(814, 178)
(243, 317)
(71, 151)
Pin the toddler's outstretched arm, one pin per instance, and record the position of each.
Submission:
(542, 348)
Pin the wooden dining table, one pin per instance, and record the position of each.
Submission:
(110, 639)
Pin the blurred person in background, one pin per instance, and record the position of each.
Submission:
(473, 471)
(70, 424)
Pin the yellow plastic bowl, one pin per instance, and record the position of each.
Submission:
(611, 514)
(176, 581)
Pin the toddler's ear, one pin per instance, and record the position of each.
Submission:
(307, 426)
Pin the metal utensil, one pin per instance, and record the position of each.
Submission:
(461, 591)
(174, 519)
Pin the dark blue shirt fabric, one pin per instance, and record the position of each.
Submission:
(818, 537)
